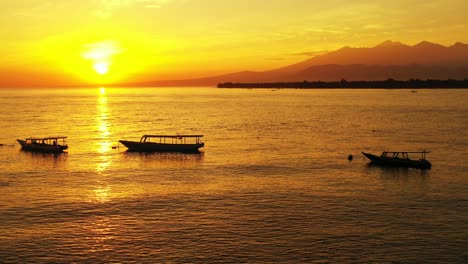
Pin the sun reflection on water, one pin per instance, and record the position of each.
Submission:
(104, 144)
(101, 194)
(101, 232)
(102, 191)
(103, 164)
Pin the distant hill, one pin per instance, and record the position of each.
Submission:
(389, 59)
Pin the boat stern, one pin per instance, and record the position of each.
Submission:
(425, 164)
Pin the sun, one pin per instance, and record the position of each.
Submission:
(101, 67)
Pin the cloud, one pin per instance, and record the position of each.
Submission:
(108, 6)
(101, 51)
(373, 26)
(125, 3)
(310, 53)
(275, 59)
(103, 14)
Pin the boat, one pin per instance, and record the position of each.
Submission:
(165, 143)
(400, 159)
(47, 145)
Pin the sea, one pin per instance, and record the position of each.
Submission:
(273, 183)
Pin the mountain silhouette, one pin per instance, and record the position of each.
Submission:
(389, 59)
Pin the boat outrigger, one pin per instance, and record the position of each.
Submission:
(48, 144)
(400, 159)
(165, 143)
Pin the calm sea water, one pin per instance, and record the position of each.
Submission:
(273, 184)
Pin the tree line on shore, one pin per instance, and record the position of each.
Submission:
(343, 84)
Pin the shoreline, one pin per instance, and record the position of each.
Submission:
(343, 84)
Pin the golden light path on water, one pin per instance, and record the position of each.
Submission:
(101, 230)
(103, 146)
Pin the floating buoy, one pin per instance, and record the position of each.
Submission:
(350, 157)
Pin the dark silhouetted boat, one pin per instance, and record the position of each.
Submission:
(47, 145)
(165, 143)
(400, 159)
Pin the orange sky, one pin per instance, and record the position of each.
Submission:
(56, 42)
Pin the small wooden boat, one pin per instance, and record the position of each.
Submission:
(400, 159)
(48, 144)
(165, 143)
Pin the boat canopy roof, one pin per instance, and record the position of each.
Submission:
(404, 154)
(46, 138)
(393, 152)
(173, 136)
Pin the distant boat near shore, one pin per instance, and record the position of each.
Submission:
(400, 159)
(165, 143)
(46, 145)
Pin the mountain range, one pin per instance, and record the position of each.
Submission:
(389, 59)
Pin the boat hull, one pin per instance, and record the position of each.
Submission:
(398, 162)
(135, 146)
(44, 148)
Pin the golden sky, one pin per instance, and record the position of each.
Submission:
(100, 41)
